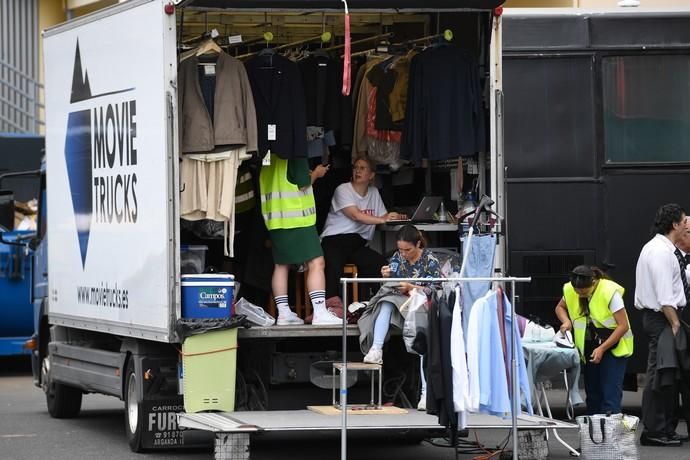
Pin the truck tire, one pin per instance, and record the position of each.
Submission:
(63, 401)
(134, 412)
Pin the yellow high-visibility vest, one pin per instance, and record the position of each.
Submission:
(283, 204)
(600, 315)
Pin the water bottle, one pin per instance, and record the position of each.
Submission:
(442, 213)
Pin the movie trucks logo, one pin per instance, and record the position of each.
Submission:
(101, 156)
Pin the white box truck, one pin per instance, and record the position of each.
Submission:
(110, 212)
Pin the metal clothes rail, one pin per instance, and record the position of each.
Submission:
(513, 363)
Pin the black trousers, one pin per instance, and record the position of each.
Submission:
(349, 248)
(659, 408)
(683, 390)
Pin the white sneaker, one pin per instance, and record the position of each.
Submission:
(422, 402)
(355, 306)
(291, 320)
(327, 318)
(375, 356)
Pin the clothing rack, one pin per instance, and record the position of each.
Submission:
(213, 33)
(513, 364)
(363, 40)
(447, 35)
(324, 38)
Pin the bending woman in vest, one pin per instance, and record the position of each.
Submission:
(289, 211)
(592, 306)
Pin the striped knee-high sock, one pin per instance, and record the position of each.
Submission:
(318, 301)
(283, 305)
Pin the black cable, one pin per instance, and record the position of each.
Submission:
(396, 392)
(241, 391)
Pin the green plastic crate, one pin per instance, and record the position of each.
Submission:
(209, 363)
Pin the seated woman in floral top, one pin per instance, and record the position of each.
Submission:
(411, 260)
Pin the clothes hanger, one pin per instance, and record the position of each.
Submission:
(208, 46)
(480, 212)
(267, 52)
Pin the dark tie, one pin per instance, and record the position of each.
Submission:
(682, 261)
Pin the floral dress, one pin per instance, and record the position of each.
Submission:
(427, 266)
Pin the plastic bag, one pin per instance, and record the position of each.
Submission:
(191, 326)
(255, 314)
(416, 325)
(537, 333)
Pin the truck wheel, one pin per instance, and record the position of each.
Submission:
(63, 401)
(134, 412)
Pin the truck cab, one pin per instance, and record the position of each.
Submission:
(18, 188)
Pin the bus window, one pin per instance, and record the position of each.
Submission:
(646, 108)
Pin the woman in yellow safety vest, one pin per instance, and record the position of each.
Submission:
(289, 211)
(592, 307)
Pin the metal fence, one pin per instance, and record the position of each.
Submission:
(20, 91)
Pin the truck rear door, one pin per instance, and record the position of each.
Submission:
(109, 151)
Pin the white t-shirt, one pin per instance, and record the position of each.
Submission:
(337, 222)
(616, 302)
(657, 276)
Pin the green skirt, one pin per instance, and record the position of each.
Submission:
(295, 245)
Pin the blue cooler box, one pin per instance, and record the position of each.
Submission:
(207, 296)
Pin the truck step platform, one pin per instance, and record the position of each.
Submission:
(232, 429)
(301, 331)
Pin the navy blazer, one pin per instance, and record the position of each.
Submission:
(279, 99)
(445, 116)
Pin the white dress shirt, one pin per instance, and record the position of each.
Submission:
(657, 277)
(458, 359)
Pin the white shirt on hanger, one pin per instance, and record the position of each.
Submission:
(461, 384)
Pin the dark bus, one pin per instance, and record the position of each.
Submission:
(597, 136)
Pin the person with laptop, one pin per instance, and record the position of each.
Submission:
(424, 214)
(355, 211)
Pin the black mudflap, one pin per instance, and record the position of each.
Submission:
(161, 430)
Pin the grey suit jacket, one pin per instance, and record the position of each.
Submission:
(234, 117)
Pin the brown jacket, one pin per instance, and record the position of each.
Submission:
(234, 112)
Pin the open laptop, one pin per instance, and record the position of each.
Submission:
(424, 212)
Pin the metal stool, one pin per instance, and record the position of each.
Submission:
(372, 368)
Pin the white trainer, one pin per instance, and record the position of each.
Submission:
(422, 402)
(327, 318)
(291, 320)
(375, 356)
(355, 306)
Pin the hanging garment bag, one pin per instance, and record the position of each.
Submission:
(608, 437)
(416, 326)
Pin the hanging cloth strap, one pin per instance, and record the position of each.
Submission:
(347, 56)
